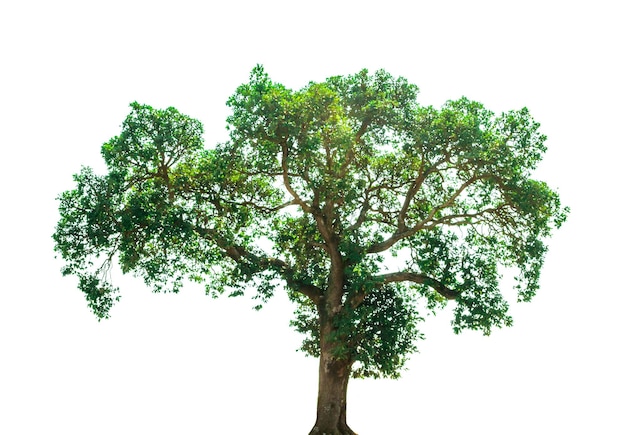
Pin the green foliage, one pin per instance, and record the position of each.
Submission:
(311, 193)
(377, 336)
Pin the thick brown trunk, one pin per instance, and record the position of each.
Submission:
(333, 385)
(331, 399)
(334, 371)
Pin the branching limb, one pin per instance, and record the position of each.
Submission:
(265, 209)
(350, 154)
(415, 188)
(241, 255)
(462, 218)
(362, 215)
(424, 223)
(284, 164)
(419, 278)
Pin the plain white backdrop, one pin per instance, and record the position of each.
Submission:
(187, 364)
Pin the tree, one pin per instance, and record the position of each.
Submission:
(368, 209)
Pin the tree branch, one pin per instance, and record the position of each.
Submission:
(415, 187)
(408, 232)
(362, 215)
(350, 154)
(241, 255)
(419, 278)
(262, 208)
(311, 291)
(306, 207)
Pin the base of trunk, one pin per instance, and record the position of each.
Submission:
(334, 373)
(341, 429)
(331, 401)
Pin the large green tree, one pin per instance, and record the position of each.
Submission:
(367, 208)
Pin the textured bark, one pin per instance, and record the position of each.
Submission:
(331, 399)
(334, 374)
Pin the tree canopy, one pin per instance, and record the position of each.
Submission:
(365, 206)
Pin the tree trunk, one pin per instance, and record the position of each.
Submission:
(334, 374)
(331, 399)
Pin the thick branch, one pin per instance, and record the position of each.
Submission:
(415, 187)
(241, 255)
(420, 278)
(462, 218)
(311, 291)
(362, 215)
(306, 207)
(323, 220)
(262, 208)
(350, 154)
(335, 284)
(403, 233)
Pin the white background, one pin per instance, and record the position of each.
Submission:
(187, 364)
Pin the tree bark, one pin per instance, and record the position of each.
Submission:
(334, 374)
(331, 400)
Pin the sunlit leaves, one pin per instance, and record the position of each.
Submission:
(152, 140)
(132, 214)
